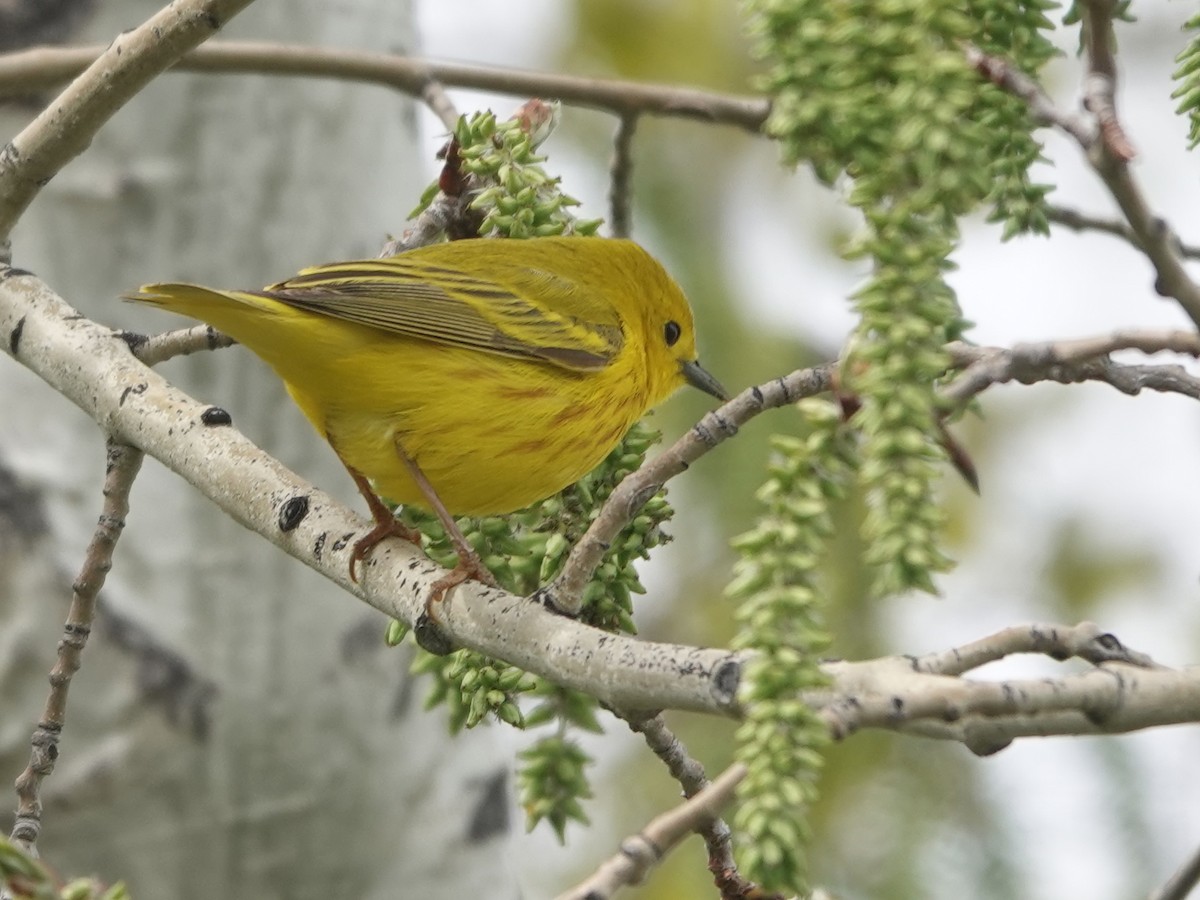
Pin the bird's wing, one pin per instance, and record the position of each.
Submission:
(530, 313)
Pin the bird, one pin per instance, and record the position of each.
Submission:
(469, 377)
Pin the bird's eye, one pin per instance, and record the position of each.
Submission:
(671, 332)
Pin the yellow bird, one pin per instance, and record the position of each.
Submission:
(474, 377)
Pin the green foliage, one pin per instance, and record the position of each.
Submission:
(880, 91)
(551, 780)
(1188, 76)
(908, 313)
(525, 550)
(552, 783)
(1019, 35)
(1120, 12)
(515, 195)
(25, 878)
(471, 686)
(776, 582)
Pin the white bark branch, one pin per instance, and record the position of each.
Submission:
(93, 367)
(986, 716)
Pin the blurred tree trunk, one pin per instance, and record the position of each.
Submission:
(238, 728)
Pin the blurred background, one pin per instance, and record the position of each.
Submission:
(1090, 500)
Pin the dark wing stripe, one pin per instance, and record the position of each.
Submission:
(457, 310)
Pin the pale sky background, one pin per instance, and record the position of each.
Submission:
(1127, 467)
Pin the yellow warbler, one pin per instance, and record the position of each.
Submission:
(488, 374)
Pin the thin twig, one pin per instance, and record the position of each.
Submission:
(620, 218)
(1156, 238)
(689, 772)
(45, 67)
(1152, 233)
(158, 348)
(1008, 77)
(1085, 641)
(1079, 221)
(1180, 885)
(449, 213)
(565, 591)
(1109, 155)
(1074, 361)
(1061, 361)
(1100, 85)
(434, 95)
(445, 213)
(113, 76)
(641, 852)
(122, 467)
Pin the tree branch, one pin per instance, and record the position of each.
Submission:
(1062, 361)
(1100, 86)
(1004, 75)
(926, 696)
(46, 67)
(1111, 155)
(122, 467)
(1078, 221)
(623, 503)
(1106, 148)
(93, 367)
(1180, 885)
(434, 96)
(689, 772)
(1085, 641)
(620, 216)
(113, 75)
(159, 348)
(1073, 361)
(641, 852)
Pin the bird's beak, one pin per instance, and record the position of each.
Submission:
(695, 375)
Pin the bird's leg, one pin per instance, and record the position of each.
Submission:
(470, 566)
(386, 523)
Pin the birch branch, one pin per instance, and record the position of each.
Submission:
(94, 368)
(122, 468)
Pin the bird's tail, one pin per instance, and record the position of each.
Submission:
(240, 314)
(198, 302)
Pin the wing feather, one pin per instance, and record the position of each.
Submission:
(573, 327)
